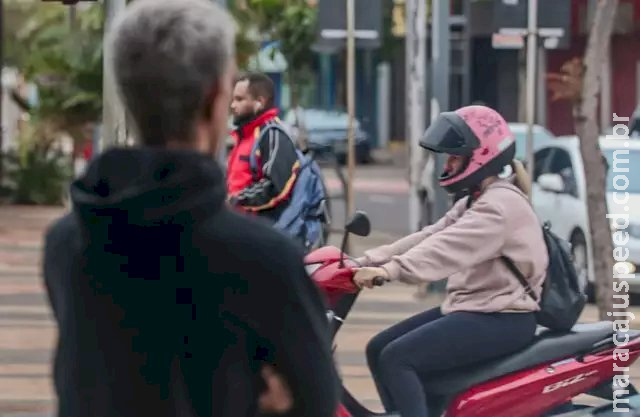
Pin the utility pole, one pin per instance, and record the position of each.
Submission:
(415, 48)
(440, 46)
(114, 132)
(351, 103)
(532, 52)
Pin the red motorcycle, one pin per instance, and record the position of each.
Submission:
(540, 380)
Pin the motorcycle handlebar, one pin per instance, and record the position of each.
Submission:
(378, 281)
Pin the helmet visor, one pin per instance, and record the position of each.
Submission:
(449, 134)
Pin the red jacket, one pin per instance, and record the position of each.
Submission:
(268, 192)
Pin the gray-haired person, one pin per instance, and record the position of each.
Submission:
(167, 303)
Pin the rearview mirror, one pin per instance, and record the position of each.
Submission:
(551, 182)
(359, 224)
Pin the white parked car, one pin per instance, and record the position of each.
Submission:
(559, 196)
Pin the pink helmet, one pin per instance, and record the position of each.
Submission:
(481, 135)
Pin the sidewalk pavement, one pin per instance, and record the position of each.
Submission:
(27, 331)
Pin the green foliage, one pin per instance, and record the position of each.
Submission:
(293, 24)
(295, 28)
(65, 63)
(247, 39)
(63, 58)
(37, 174)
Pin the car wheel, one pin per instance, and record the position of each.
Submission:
(581, 263)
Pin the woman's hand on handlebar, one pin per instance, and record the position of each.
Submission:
(370, 277)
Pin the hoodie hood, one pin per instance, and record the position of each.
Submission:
(147, 187)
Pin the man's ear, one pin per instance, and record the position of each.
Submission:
(261, 104)
(209, 101)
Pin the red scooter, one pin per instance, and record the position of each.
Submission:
(540, 380)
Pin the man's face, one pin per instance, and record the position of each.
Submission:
(243, 105)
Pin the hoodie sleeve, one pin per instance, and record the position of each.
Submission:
(476, 237)
(56, 268)
(279, 170)
(383, 254)
(293, 318)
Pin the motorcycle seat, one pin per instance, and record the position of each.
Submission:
(547, 347)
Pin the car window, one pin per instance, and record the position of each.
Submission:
(540, 162)
(539, 135)
(560, 163)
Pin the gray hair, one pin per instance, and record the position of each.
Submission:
(166, 56)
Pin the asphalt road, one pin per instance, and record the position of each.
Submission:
(382, 192)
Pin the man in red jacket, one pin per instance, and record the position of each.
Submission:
(266, 191)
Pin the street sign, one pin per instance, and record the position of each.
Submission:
(507, 41)
(553, 23)
(332, 24)
(342, 34)
(513, 37)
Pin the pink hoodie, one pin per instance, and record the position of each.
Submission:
(465, 246)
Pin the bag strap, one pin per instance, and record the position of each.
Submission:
(515, 271)
(253, 163)
(508, 262)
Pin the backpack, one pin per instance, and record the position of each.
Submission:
(306, 214)
(562, 300)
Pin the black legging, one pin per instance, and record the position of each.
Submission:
(431, 342)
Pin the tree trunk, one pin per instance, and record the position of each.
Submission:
(585, 113)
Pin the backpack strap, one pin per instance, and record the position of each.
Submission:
(253, 161)
(515, 271)
(508, 262)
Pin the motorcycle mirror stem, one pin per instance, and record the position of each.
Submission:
(343, 247)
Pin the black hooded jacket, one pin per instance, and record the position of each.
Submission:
(167, 303)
